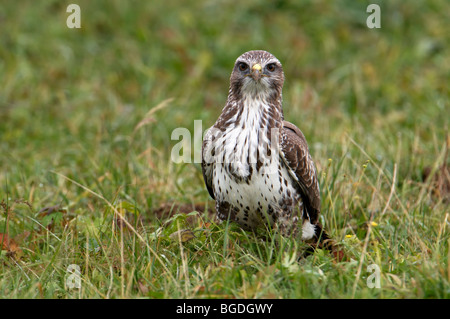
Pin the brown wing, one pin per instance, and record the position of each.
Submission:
(295, 153)
(207, 165)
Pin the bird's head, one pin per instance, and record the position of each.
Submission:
(257, 73)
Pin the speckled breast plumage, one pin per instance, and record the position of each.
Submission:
(258, 198)
(251, 183)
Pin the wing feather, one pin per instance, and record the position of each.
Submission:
(295, 154)
(207, 164)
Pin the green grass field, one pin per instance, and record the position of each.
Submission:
(86, 117)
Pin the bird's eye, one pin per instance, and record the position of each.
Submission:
(243, 66)
(271, 67)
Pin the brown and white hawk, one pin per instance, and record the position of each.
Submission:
(255, 165)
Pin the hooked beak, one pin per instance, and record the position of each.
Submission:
(256, 72)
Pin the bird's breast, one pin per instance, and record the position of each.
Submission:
(249, 174)
(247, 142)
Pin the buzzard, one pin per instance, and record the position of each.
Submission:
(255, 165)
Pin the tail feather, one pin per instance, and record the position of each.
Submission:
(321, 240)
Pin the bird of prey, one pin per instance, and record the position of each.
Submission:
(256, 165)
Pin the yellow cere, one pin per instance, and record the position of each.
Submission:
(257, 67)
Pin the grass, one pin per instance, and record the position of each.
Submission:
(77, 134)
